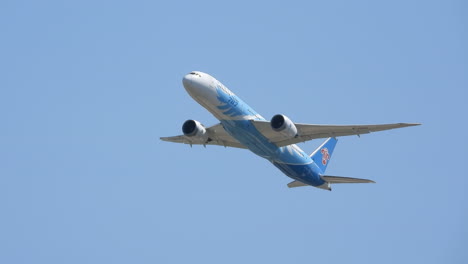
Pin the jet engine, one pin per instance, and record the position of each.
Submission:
(193, 128)
(283, 125)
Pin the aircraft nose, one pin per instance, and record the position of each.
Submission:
(187, 80)
(194, 81)
(197, 84)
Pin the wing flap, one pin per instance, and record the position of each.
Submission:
(337, 179)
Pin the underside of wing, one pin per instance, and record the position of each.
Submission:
(216, 135)
(307, 132)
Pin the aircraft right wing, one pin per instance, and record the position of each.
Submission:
(311, 131)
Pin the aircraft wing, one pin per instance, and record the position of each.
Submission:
(216, 136)
(310, 131)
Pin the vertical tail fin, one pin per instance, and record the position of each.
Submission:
(321, 156)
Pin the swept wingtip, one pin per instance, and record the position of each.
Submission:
(410, 124)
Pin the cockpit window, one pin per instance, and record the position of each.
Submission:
(195, 73)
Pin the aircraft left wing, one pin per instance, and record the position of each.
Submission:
(216, 136)
(307, 132)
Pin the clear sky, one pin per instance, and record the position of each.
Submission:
(88, 87)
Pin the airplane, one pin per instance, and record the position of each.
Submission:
(275, 140)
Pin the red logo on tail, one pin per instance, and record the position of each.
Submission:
(325, 156)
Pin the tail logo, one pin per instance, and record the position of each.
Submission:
(325, 156)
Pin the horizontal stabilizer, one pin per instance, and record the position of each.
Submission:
(296, 184)
(336, 179)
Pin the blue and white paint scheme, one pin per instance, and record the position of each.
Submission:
(241, 127)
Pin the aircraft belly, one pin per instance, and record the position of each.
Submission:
(247, 134)
(304, 173)
(290, 159)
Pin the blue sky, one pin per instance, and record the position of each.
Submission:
(88, 87)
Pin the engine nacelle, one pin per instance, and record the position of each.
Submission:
(283, 125)
(193, 128)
